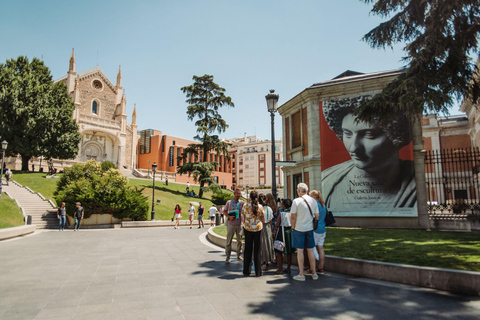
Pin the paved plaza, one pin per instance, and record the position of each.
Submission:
(162, 273)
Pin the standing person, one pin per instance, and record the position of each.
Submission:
(166, 181)
(213, 211)
(253, 219)
(8, 175)
(178, 216)
(191, 214)
(320, 233)
(188, 187)
(79, 212)
(33, 167)
(267, 254)
(201, 209)
(284, 219)
(304, 208)
(231, 211)
(61, 216)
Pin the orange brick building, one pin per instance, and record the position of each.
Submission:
(166, 151)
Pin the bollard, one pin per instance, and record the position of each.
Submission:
(29, 219)
(217, 219)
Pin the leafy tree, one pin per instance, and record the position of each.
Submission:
(440, 37)
(101, 189)
(205, 98)
(36, 114)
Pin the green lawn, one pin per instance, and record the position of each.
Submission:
(169, 196)
(452, 250)
(10, 213)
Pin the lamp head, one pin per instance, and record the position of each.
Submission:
(154, 167)
(272, 101)
(4, 145)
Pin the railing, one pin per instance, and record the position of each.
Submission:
(96, 120)
(453, 181)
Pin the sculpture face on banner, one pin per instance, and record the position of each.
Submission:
(367, 167)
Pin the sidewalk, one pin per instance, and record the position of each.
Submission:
(162, 273)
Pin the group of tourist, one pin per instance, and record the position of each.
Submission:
(192, 212)
(272, 233)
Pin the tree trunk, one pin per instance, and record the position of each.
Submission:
(25, 160)
(200, 192)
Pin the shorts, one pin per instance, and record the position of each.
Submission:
(319, 238)
(303, 240)
(200, 217)
(190, 217)
(178, 216)
(212, 218)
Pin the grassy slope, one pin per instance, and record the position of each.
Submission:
(169, 195)
(452, 250)
(10, 213)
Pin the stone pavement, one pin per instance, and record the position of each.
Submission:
(162, 273)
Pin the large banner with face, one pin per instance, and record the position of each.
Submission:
(367, 168)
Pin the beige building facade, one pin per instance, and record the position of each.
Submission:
(100, 112)
(253, 161)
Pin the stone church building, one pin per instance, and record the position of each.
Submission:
(100, 112)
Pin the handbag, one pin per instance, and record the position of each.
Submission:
(329, 219)
(315, 220)
(280, 245)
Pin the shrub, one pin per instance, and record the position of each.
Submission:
(100, 189)
(220, 198)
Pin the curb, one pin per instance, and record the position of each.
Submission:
(9, 233)
(465, 282)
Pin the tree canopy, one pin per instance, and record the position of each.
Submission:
(205, 98)
(441, 37)
(35, 114)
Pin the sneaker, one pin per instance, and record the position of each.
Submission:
(321, 271)
(198, 227)
(314, 276)
(299, 277)
(240, 258)
(227, 260)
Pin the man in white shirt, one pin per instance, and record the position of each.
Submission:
(304, 208)
(213, 211)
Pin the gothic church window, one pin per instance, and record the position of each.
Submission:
(94, 107)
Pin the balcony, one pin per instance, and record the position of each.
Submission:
(105, 123)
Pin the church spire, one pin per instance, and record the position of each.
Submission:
(119, 77)
(134, 115)
(71, 69)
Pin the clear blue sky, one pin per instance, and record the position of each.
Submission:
(248, 46)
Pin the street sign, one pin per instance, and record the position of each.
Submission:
(285, 163)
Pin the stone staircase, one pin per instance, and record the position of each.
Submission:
(43, 211)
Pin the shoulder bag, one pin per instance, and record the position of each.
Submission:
(329, 219)
(280, 245)
(315, 220)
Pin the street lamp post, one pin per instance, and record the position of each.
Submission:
(272, 102)
(4, 147)
(154, 168)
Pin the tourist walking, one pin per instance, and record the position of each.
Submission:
(8, 175)
(267, 255)
(320, 233)
(284, 234)
(212, 211)
(191, 214)
(231, 211)
(253, 219)
(79, 212)
(201, 210)
(61, 216)
(303, 210)
(178, 215)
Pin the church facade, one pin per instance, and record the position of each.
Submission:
(100, 112)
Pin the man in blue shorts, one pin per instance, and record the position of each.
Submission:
(303, 209)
